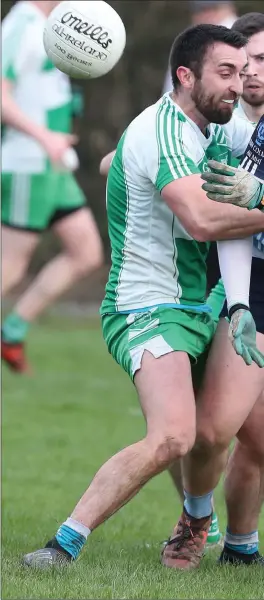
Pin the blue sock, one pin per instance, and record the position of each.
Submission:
(198, 506)
(72, 536)
(244, 544)
(14, 329)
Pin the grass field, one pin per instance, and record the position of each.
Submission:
(58, 427)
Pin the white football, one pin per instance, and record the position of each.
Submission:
(84, 39)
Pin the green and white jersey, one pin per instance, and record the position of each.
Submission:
(154, 259)
(41, 91)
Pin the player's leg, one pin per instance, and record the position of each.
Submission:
(244, 490)
(19, 240)
(228, 394)
(215, 300)
(224, 403)
(176, 476)
(17, 249)
(82, 250)
(81, 254)
(245, 474)
(214, 537)
(144, 344)
(166, 396)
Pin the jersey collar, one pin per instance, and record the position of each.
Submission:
(205, 140)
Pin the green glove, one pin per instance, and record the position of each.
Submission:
(242, 333)
(231, 185)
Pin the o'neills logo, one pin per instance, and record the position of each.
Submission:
(94, 32)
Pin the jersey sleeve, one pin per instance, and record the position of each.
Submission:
(175, 159)
(239, 132)
(14, 45)
(235, 258)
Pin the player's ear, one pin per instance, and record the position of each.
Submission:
(185, 77)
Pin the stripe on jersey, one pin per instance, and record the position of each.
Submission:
(173, 160)
(166, 155)
(258, 241)
(11, 42)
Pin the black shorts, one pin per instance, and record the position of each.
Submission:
(256, 294)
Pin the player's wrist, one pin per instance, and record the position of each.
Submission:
(40, 134)
(235, 307)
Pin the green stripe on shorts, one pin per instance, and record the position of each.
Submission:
(29, 201)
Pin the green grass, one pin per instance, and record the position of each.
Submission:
(58, 428)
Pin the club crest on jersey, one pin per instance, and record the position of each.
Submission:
(260, 134)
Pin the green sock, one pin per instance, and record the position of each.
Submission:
(14, 329)
(214, 534)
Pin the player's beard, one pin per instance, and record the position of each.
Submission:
(209, 107)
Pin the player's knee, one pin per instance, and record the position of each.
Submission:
(211, 439)
(170, 448)
(89, 259)
(15, 268)
(90, 263)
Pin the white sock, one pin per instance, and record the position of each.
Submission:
(77, 526)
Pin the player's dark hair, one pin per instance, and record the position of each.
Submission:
(249, 24)
(191, 46)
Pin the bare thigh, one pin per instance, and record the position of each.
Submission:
(17, 245)
(164, 386)
(17, 250)
(80, 237)
(229, 390)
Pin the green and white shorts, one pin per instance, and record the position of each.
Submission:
(160, 331)
(34, 202)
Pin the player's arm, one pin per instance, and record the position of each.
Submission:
(242, 186)
(188, 201)
(205, 220)
(235, 258)
(230, 185)
(180, 185)
(106, 163)
(13, 116)
(18, 48)
(55, 144)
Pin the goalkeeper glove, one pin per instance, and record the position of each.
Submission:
(242, 333)
(234, 186)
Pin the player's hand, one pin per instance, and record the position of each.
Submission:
(56, 144)
(231, 185)
(242, 333)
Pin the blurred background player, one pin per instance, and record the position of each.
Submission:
(37, 192)
(244, 483)
(215, 12)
